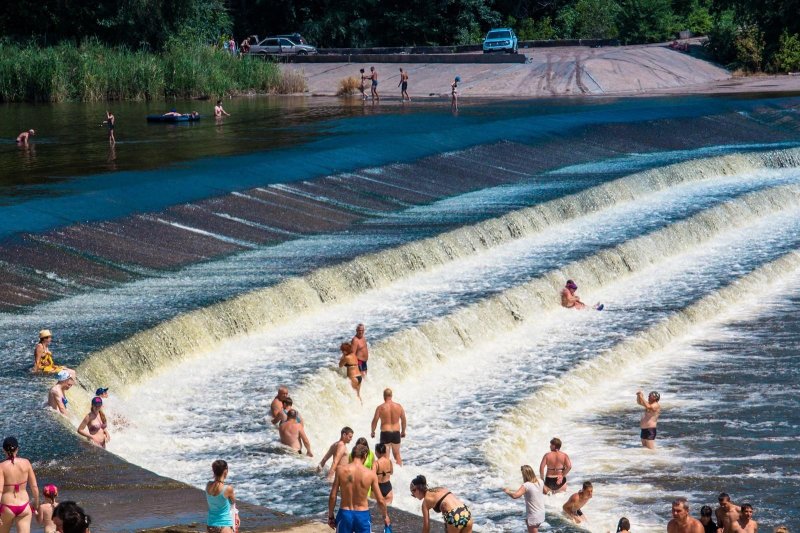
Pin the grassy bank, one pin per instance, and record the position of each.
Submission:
(93, 72)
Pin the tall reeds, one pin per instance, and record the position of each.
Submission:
(94, 72)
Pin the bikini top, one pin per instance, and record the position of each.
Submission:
(378, 472)
(438, 506)
(94, 427)
(16, 485)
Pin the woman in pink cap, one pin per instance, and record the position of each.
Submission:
(94, 426)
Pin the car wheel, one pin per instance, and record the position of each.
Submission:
(302, 53)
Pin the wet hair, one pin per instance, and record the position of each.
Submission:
(346, 347)
(746, 506)
(10, 444)
(587, 485)
(72, 517)
(555, 441)
(656, 395)
(287, 401)
(528, 474)
(362, 441)
(723, 496)
(291, 414)
(683, 502)
(346, 430)
(219, 467)
(706, 511)
(380, 448)
(623, 525)
(420, 482)
(360, 451)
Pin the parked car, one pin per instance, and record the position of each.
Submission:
(280, 45)
(500, 40)
(296, 38)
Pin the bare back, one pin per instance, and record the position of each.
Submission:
(354, 481)
(16, 478)
(390, 414)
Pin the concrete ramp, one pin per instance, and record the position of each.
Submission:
(562, 71)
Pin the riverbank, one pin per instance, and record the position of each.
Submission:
(92, 72)
(643, 70)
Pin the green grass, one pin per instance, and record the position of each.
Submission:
(93, 72)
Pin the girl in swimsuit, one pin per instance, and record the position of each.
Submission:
(94, 426)
(457, 516)
(15, 504)
(44, 516)
(349, 361)
(384, 470)
(70, 518)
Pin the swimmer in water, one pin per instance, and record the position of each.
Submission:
(557, 465)
(652, 410)
(681, 521)
(337, 451)
(23, 137)
(219, 111)
(43, 357)
(56, 398)
(350, 362)
(572, 508)
(570, 300)
(293, 434)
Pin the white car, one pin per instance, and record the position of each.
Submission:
(280, 46)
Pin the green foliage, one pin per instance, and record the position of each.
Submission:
(699, 20)
(529, 29)
(92, 72)
(646, 21)
(749, 45)
(596, 19)
(721, 43)
(787, 58)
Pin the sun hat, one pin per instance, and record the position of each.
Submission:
(97, 401)
(63, 375)
(101, 391)
(51, 491)
(44, 334)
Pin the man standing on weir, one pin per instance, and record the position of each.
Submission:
(354, 481)
(554, 468)
(361, 349)
(393, 424)
(649, 418)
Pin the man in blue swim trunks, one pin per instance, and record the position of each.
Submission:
(361, 348)
(355, 481)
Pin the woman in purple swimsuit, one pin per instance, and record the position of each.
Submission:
(94, 425)
(15, 504)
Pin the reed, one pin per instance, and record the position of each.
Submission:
(94, 72)
(348, 86)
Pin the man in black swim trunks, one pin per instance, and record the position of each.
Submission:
(557, 465)
(572, 508)
(652, 409)
(393, 424)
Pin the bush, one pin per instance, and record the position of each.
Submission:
(595, 19)
(699, 20)
(646, 21)
(750, 48)
(94, 72)
(348, 86)
(787, 58)
(721, 43)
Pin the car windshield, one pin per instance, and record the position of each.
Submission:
(499, 35)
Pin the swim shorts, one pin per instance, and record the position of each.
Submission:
(404, 86)
(458, 517)
(390, 437)
(648, 433)
(579, 512)
(353, 521)
(374, 83)
(362, 365)
(553, 484)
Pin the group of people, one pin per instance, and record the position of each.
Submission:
(20, 503)
(402, 84)
(730, 518)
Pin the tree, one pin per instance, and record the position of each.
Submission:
(645, 21)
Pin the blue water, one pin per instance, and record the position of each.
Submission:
(761, 415)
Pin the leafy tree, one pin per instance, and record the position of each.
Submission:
(699, 20)
(596, 19)
(721, 43)
(645, 21)
(787, 58)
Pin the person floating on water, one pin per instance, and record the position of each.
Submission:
(570, 300)
(219, 111)
(43, 357)
(174, 113)
(652, 409)
(337, 451)
(554, 468)
(361, 349)
(393, 424)
(572, 507)
(354, 481)
(56, 399)
(23, 137)
(110, 121)
(681, 521)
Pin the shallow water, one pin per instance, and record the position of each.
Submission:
(468, 370)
